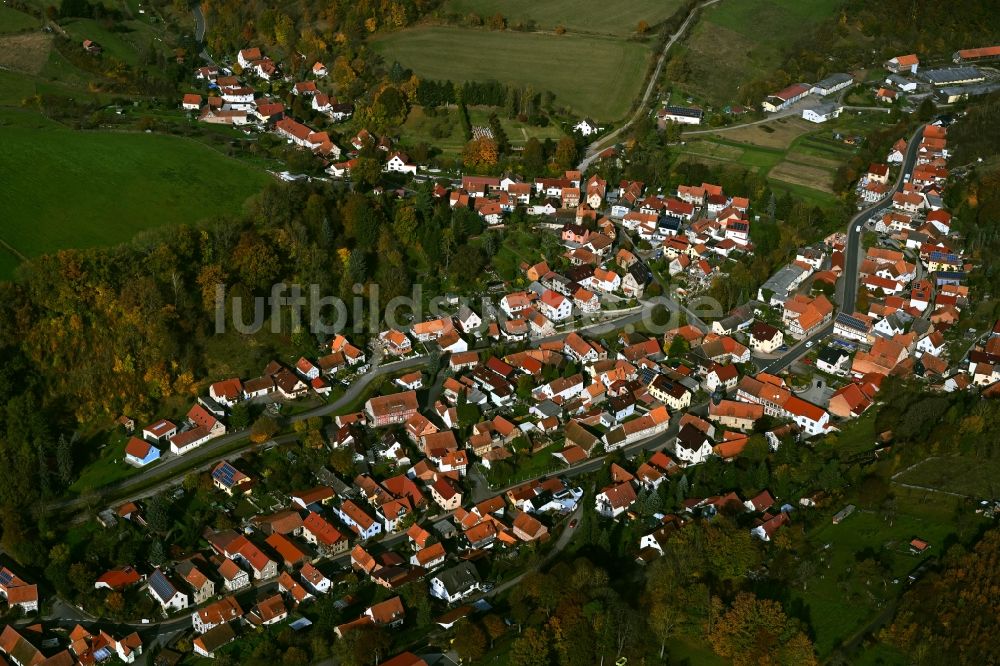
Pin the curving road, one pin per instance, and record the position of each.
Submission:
(847, 288)
(595, 148)
(199, 32)
(848, 291)
(172, 468)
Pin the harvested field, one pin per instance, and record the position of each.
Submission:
(800, 174)
(25, 53)
(812, 160)
(779, 134)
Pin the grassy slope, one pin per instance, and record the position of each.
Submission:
(971, 476)
(616, 18)
(81, 189)
(12, 20)
(739, 39)
(838, 602)
(594, 75)
(124, 45)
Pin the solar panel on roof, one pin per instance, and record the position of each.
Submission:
(162, 587)
(854, 322)
(225, 474)
(6, 577)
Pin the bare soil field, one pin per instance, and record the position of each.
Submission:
(800, 174)
(26, 53)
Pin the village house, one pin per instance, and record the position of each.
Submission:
(165, 593)
(233, 578)
(454, 584)
(223, 611)
(208, 643)
(358, 520)
(904, 63)
(17, 592)
(399, 162)
(202, 587)
(733, 414)
(391, 409)
(692, 445)
(230, 480)
(139, 452)
(614, 500)
(765, 338)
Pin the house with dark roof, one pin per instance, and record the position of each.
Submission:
(212, 640)
(165, 593)
(457, 583)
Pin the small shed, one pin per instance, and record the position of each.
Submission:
(842, 514)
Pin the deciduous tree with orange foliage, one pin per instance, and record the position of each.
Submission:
(756, 631)
(481, 153)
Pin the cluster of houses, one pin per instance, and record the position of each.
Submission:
(704, 227)
(84, 646)
(566, 393)
(916, 279)
(492, 197)
(624, 497)
(396, 161)
(233, 101)
(767, 518)
(202, 423)
(574, 391)
(915, 282)
(205, 420)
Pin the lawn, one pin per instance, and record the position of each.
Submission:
(67, 188)
(108, 468)
(739, 40)
(444, 131)
(965, 475)
(838, 601)
(596, 76)
(518, 247)
(12, 20)
(619, 17)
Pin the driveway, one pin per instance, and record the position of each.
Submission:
(818, 393)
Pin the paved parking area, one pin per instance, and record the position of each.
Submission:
(818, 393)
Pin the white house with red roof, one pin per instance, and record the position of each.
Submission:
(555, 306)
(615, 499)
(159, 431)
(139, 452)
(247, 56)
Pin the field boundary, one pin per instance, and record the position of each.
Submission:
(913, 486)
(13, 250)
